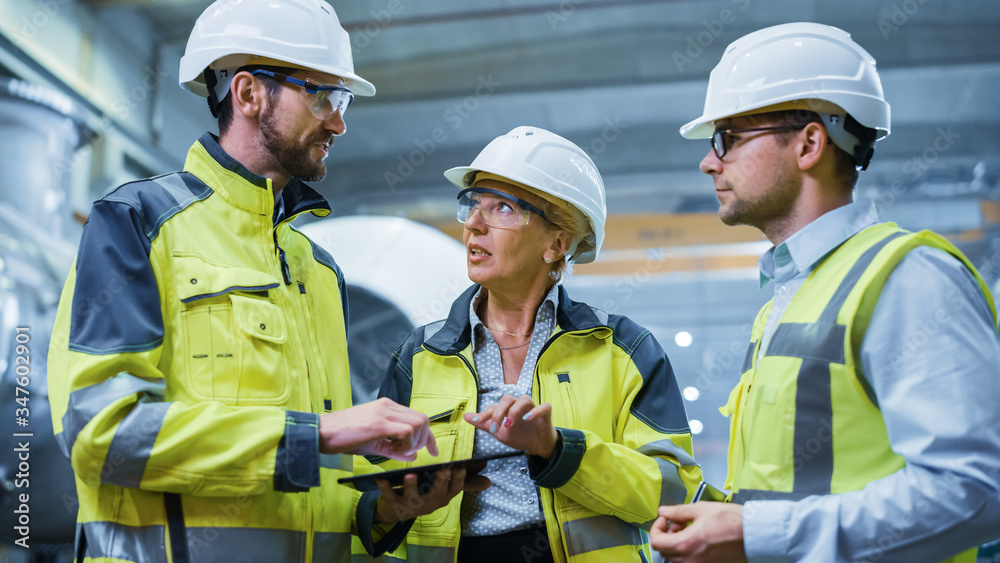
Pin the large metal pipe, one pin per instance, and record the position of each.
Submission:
(38, 138)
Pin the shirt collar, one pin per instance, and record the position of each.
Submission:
(810, 244)
(551, 302)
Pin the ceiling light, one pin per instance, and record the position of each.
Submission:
(696, 426)
(683, 339)
(691, 393)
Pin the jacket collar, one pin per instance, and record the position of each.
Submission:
(234, 182)
(456, 334)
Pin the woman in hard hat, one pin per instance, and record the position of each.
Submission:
(517, 365)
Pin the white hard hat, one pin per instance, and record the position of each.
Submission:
(550, 164)
(297, 33)
(797, 66)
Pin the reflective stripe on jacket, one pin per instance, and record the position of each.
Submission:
(195, 344)
(805, 420)
(626, 445)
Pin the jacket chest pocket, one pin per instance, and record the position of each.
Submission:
(558, 390)
(446, 422)
(233, 337)
(444, 415)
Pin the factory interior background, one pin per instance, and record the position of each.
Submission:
(89, 99)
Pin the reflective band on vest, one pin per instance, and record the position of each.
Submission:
(599, 532)
(131, 543)
(428, 553)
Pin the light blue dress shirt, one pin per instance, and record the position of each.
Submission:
(932, 355)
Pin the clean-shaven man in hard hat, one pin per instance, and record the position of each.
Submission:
(864, 423)
(519, 366)
(198, 373)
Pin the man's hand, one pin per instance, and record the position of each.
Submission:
(382, 427)
(519, 424)
(408, 502)
(703, 532)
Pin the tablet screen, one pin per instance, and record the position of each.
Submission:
(425, 473)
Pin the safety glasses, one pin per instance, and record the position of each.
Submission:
(498, 209)
(720, 145)
(321, 100)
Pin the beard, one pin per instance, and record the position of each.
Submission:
(767, 210)
(290, 154)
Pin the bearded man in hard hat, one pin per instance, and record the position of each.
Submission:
(205, 400)
(864, 425)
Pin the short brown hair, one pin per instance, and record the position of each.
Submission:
(846, 171)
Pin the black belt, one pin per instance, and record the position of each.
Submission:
(530, 545)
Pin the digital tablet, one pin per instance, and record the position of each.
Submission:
(425, 473)
(709, 493)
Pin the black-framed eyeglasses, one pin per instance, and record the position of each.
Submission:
(322, 100)
(499, 209)
(719, 137)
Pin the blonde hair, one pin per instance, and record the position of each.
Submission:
(565, 220)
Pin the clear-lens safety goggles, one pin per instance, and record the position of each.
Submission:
(322, 100)
(720, 139)
(499, 210)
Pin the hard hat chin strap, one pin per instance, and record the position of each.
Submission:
(213, 99)
(218, 82)
(571, 254)
(852, 137)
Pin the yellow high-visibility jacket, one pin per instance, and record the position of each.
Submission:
(195, 345)
(804, 420)
(625, 442)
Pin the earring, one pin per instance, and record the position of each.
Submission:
(548, 260)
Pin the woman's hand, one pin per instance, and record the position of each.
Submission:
(520, 424)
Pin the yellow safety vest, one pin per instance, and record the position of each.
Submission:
(805, 421)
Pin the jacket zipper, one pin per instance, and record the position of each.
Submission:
(305, 301)
(310, 501)
(286, 274)
(549, 493)
(561, 554)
